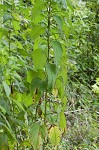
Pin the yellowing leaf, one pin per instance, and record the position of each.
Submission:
(54, 135)
(62, 120)
(55, 92)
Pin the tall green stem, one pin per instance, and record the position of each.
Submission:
(48, 47)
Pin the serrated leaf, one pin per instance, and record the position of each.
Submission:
(39, 59)
(6, 88)
(54, 135)
(57, 48)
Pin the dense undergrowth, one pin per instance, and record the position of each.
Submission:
(82, 88)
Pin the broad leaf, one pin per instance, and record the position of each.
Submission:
(37, 31)
(54, 135)
(57, 48)
(39, 58)
(52, 74)
(34, 135)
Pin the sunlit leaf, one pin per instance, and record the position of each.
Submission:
(39, 58)
(62, 120)
(54, 135)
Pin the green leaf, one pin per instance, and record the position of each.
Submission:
(18, 104)
(66, 30)
(2, 109)
(69, 4)
(32, 74)
(39, 58)
(60, 86)
(58, 21)
(57, 51)
(37, 31)
(3, 142)
(39, 5)
(62, 120)
(9, 130)
(43, 131)
(7, 17)
(16, 25)
(34, 134)
(64, 3)
(54, 135)
(25, 98)
(37, 87)
(52, 74)
(6, 88)
(3, 31)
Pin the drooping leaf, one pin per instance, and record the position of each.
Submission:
(57, 48)
(37, 87)
(52, 74)
(9, 130)
(32, 74)
(2, 109)
(18, 104)
(3, 142)
(6, 88)
(43, 131)
(34, 135)
(58, 21)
